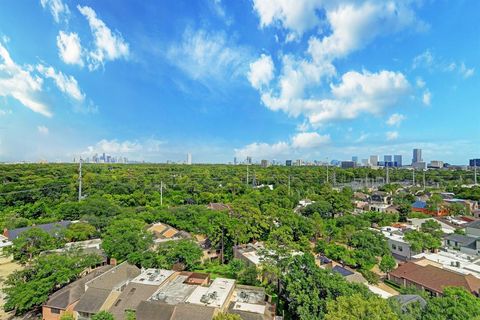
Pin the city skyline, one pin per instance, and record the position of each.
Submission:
(219, 80)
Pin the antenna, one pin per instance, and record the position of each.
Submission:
(80, 180)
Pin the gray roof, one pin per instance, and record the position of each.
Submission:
(48, 227)
(74, 291)
(92, 300)
(405, 299)
(131, 297)
(474, 225)
(115, 277)
(162, 311)
(463, 240)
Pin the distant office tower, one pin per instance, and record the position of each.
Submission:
(387, 158)
(397, 160)
(249, 160)
(364, 162)
(264, 163)
(373, 160)
(299, 162)
(348, 164)
(288, 163)
(235, 161)
(355, 159)
(474, 163)
(436, 164)
(189, 158)
(417, 156)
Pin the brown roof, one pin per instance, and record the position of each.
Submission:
(434, 278)
(131, 297)
(92, 300)
(162, 311)
(115, 277)
(219, 206)
(74, 291)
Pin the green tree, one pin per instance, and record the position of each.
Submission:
(357, 307)
(30, 243)
(420, 241)
(387, 263)
(432, 227)
(456, 303)
(103, 315)
(125, 236)
(80, 231)
(67, 316)
(434, 203)
(30, 287)
(185, 252)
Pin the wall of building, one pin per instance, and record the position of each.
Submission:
(399, 248)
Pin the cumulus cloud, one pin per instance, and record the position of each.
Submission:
(392, 135)
(57, 8)
(43, 130)
(357, 93)
(109, 45)
(70, 48)
(208, 55)
(261, 72)
(66, 84)
(395, 119)
(427, 97)
(300, 141)
(21, 84)
(300, 89)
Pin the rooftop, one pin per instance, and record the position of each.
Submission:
(452, 260)
(51, 228)
(213, 296)
(153, 276)
(115, 277)
(175, 291)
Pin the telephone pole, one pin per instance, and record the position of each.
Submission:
(80, 180)
(289, 185)
(388, 176)
(424, 184)
(161, 193)
(475, 172)
(247, 175)
(413, 177)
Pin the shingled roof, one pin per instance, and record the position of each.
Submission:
(162, 311)
(51, 228)
(434, 278)
(74, 291)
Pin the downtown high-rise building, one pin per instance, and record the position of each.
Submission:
(397, 159)
(189, 158)
(387, 158)
(417, 156)
(373, 161)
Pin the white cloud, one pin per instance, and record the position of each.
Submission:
(427, 97)
(261, 72)
(395, 119)
(300, 141)
(21, 84)
(357, 93)
(207, 55)
(420, 83)
(429, 61)
(392, 135)
(109, 46)
(70, 48)
(309, 140)
(295, 15)
(362, 137)
(5, 112)
(57, 8)
(126, 147)
(43, 130)
(66, 84)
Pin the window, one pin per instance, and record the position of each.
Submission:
(400, 248)
(394, 247)
(118, 302)
(55, 310)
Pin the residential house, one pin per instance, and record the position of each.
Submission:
(470, 205)
(139, 289)
(463, 243)
(103, 291)
(405, 300)
(250, 303)
(432, 279)
(416, 223)
(398, 246)
(163, 232)
(421, 206)
(53, 228)
(65, 299)
(161, 311)
(381, 197)
(451, 260)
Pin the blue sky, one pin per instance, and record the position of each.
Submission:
(286, 79)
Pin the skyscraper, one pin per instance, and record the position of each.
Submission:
(249, 160)
(355, 159)
(288, 163)
(387, 158)
(235, 161)
(417, 156)
(373, 160)
(189, 158)
(397, 159)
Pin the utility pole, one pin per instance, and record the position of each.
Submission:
(413, 177)
(475, 171)
(289, 185)
(80, 180)
(247, 175)
(327, 170)
(388, 177)
(424, 184)
(161, 193)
